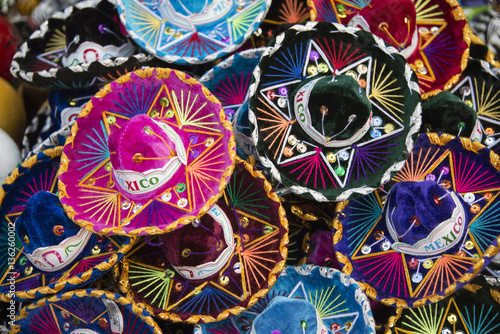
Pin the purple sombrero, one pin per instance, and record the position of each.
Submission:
(430, 230)
(149, 153)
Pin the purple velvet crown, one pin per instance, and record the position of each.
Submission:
(424, 218)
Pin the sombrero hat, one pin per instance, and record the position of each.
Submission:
(332, 110)
(432, 35)
(473, 309)
(79, 47)
(84, 312)
(43, 251)
(149, 153)
(305, 299)
(428, 232)
(191, 33)
(219, 265)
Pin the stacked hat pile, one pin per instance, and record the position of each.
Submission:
(242, 166)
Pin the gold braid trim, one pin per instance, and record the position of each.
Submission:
(495, 294)
(392, 321)
(313, 14)
(137, 309)
(161, 73)
(300, 213)
(125, 287)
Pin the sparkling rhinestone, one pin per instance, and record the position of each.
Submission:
(416, 277)
(169, 113)
(229, 112)
(28, 270)
(444, 170)
(301, 147)
(237, 268)
(180, 187)
(282, 102)
(377, 121)
(322, 67)
(166, 197)
(419, 63)
(423, 30)
(452, 318)
(267, 229)
(292, 140)
(362, 69)
(108, 167)
(388, 128)
(323, 110)
(469, 245)
(488, 196)
(331, 157)
(489, 131)
(136, 208)
(103, 322)
(178, 34)
(182, 202)
(430, 177)
(155, 113)
(375, 133)
(283, 91)
(413, 263)
(343, 155)
(475, 208)
(341, 11)
(314, 55)
(209, 142)
(126, 205)
(422, 70)
(270, 94)
(66, 326)
(386, 245)
(111, 119)
(340, 171)
(489, 141)
(362, 83)
(288, 151)
(427, 264)
(434, 29)
(366, 249)
(468, 102)
(147, 129)
(303, 325)
(469, 197)
(465, 91)
(244, 221)
(95, 250)
(352, 74)
(224, 280)
(169, 31)
(164, 102)
(348, 325)
(312, 70)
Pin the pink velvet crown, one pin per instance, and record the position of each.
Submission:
(150, 152)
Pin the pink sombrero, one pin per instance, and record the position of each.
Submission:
(152, 151)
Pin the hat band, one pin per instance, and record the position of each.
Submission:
(89, 52)
(208, 269)
(136, 183)
(303, 116)
(54, 258)
(445, 236)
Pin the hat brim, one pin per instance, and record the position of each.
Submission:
(337, 298)
(370, 160)
(86, 155)
(91, 308)
(186, 38)
(437, 67)
(391, 276)
(260, 256)
(33, 62)
(472, 309)
(39, 173)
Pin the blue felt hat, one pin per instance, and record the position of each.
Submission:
(51, 253)
(305, 299)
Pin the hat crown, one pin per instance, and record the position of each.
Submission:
(300, 317)
(333, 110)
(199, 250)
(93, 35)
(422, 212)
(144, 155)
(395, 21)
(47, 233)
